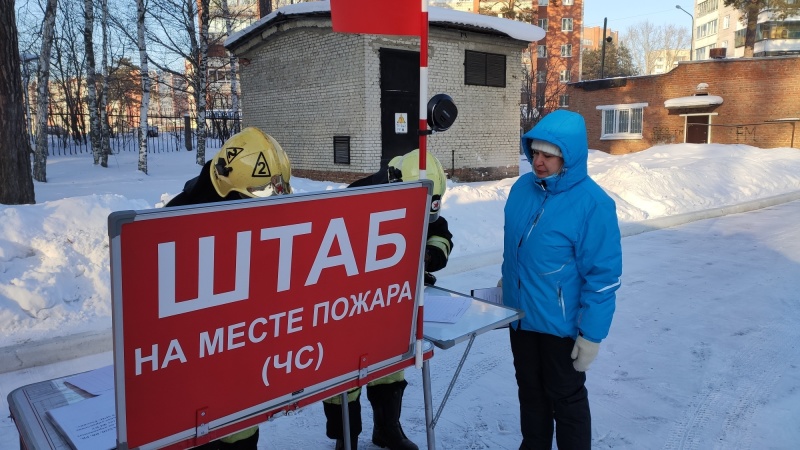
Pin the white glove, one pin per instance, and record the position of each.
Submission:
(500, 282)
(583, 353)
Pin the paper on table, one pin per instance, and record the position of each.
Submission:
(491, 295)
(89, 424)
(440, 308)
(95, 382)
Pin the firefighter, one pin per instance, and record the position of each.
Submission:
(386, 394)
(250, 164)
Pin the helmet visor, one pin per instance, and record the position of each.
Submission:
(276, 186)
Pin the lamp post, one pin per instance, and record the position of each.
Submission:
(691, 43)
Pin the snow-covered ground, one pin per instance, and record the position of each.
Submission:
(702, 353)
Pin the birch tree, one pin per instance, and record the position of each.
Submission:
(106, 131)
(16, 184)
(233, 64)
(91, 82)
(140, 32)
(43, 95)
(202, 80)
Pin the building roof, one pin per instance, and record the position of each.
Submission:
(693, 101)
(438, 16)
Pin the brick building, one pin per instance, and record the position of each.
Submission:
(343, 104)
(558, 55)
(749, 101)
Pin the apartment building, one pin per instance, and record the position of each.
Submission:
(665, 60)
(717, 26)
(558, 55)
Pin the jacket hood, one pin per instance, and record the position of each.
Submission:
(567, 130)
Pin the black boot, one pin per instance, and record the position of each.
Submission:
(387, 400)
(334, 426)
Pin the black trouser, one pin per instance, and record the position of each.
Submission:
(550, 389)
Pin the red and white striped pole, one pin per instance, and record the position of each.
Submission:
(423, 156)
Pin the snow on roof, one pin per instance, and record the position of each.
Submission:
(512, 28)
(693, 101)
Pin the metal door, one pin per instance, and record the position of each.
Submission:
(697, 129)
(399, 103)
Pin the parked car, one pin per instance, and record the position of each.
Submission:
(152, 131)
(57, 130)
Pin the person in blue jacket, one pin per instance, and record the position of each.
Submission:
(562, 263)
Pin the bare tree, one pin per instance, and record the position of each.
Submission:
(106, 132)
(647, 42)
(91, 81)
(16, 184)
(140, 32)
(42, 99)
(233, 66)
(202, 80)
(510, 9)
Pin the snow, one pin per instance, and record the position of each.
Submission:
(693, 101)
(512, 28)
(703, 351)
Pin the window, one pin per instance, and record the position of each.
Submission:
(541, 76)
(563, 100)
(484, 69)
(565, 76)
(567, 2)
(566, 50)
(542, 24)
(622, 121)
(726, 22)
(543, 2)
(541, 51)
(706, 29)
(566, 24)
(341, 149)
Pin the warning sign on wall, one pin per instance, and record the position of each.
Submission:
(401, 123)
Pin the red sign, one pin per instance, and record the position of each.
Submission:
(224, 310)
(402, 17)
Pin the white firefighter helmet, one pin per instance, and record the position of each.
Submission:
(253, 164)
(406, 168)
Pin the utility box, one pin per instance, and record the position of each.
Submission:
(717, 53)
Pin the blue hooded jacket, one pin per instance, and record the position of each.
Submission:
(562, 257)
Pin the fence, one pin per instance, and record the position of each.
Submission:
(69, 135)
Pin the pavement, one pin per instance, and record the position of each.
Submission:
(63, 348)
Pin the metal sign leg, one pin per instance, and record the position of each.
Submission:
(426, 391)
(346, 420)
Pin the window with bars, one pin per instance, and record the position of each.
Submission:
(566, 24)
(341, 149)
(484, 69)
(622, 121)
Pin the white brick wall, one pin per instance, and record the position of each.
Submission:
(304, 84)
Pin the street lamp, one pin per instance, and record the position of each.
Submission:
(691, 43)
